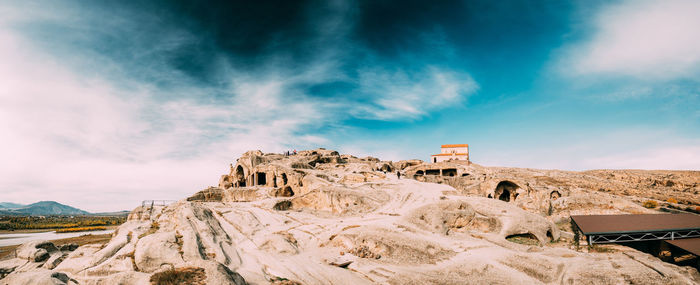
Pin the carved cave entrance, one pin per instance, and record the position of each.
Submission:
(449, 172)
(505, 191)
(262, 180)
(240, 176)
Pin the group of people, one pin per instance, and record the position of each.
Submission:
(290, 152)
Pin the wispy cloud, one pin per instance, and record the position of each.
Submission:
(411, 95)
(656, 40)
(103, 130)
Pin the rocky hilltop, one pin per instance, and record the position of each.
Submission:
(320, 217)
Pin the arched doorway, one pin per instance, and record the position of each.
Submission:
(554, 195)
(385, 168)
(505, 191)
(239, 177)
(418, 173)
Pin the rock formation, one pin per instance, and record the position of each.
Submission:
(320, 217)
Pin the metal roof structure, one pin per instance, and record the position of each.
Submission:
(691, 245)
(627, 228)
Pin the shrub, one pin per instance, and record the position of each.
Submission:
(599, 248)
(650, 204)
(80, 229)
(672, 200)
(186, 275)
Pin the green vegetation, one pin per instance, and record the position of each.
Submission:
(11, 223)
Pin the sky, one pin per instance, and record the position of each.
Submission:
(104, 104)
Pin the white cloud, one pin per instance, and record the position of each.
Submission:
(643, 39)
(96, 138)
(86, 142)
(400, 94)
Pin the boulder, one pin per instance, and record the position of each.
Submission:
(36, 251)
(38, 277)
(68, 247)
(54, 260)
(158, 250)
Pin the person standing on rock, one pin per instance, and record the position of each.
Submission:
(398, 175)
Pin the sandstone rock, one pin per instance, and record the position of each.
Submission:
(38, 277)
(157, 251)
(36, 251)
(284, 219)
(54, 260)
(210, 194)
(68, 247)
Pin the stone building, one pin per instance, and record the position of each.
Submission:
(451, 152)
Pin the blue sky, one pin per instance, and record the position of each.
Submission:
(104, 104)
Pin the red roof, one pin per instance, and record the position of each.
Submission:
(453, 145)
(449, 154)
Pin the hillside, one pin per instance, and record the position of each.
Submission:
(320, 217)
(43, 208)
(8, 205)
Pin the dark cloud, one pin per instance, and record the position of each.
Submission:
(243, 28)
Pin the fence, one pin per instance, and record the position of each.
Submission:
(152, 203)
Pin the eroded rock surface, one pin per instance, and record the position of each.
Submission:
(320, 217)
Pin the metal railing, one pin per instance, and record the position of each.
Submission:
(152, 203)
(661, 235)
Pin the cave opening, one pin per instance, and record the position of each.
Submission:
(505, 191)
(449, 172)
(554, 195)
(240, 176)
(262, 179)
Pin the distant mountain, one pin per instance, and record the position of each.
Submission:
(8, 205)
(43, 208)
